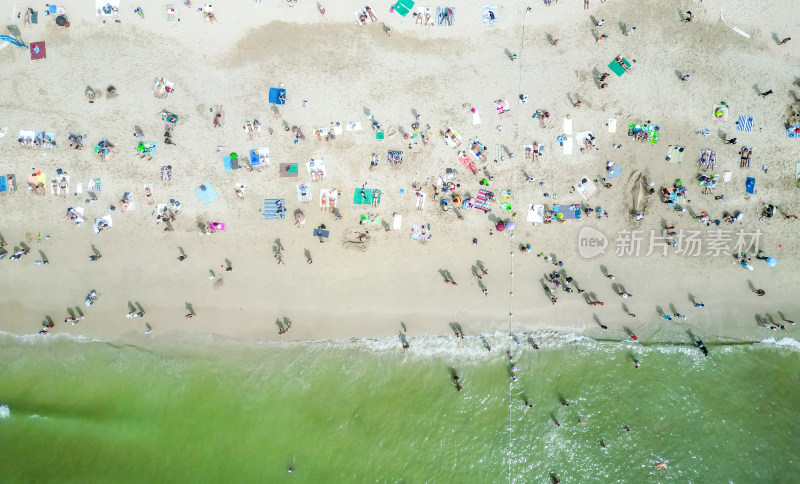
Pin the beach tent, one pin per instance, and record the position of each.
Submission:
(38, 50)
(277, 95)
(403, 6)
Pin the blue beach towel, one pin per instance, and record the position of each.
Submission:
(750, 185)
(206, 193)
(490, 14)
(793, 131)
(274, 95)
(745, 123)
(274, 208)
(616, 172)
(3, 185)
(226, 162)
(321, 233)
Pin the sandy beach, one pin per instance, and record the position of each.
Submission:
(337, 71)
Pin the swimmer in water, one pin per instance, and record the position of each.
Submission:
(636, 363)
(458, 387)
(528, 404)
(456, 378)
(555, 421)
(564, 403)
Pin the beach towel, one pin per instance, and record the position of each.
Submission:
(3, 184)
(674, 155)
(275, 95)
(366, 199)
(727, 176)
(567, 145)
(421, 232)
(397, 221)
(353, 126)
(288, 170)
(445, 16)
(616, 68)
(482, 200)
(616, 172)
(505, 200)
(316, 169)
(169, 12)
(166, 173)
(38, 50)
(206, 193)
(426, 14)
(612, 125)
(56, 181)
(274, 208)
(796, 173)
(403, 7)
(750, 185)
(567, 125)
(476, 118)
(585, 187)
(303, 192)
(421, 200)
(465, 160)
(743, 161)
(104, 218)
(259, 157)
(321, 233)
(535, 214)
(128, 198)
(490, 14)
(568, 212)
(107, 8)
(146, 148)
(394, 156)
(744, 123)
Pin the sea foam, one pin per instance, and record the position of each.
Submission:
(5, 412)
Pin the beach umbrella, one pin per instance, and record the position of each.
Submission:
(771, 261)
(510, 225)
(61, 20)
(500, 226)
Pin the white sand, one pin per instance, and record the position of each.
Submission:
(344, 72)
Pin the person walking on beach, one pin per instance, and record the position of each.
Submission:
(190, 315)
(182, 258)
(604, 76)
(699, 305)
(687, 77)
(625, 295)
(679, 315)
(759, 292)
(787, 39)
(600, 22)
(731, 141)
(601, 38)
(689, 16)
(766, 93)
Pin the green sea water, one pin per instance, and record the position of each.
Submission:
(214, 410)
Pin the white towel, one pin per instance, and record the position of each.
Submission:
(476, 118)
(398, 221)
(612, 125)
(78, 188)
(568, 145)
(567, 126)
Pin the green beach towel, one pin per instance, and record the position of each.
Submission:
(403, 7)
(617, 69)
(366, 199)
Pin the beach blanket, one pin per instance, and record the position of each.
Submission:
(465, 160)
(721, 113)
(482, 200)
(274, 208)
(535, 214)
(303, 192)
(94, 186)
(616, 172)
(370, 219)
(612, 125)
(708, 158)
(727, 176)
(288, 170)
(275, 95)
(568, 212)
(567, 125)
(230, 162)
(166, 173)
(425, 13)
(366, 197)
(403, 7)
(260, 157)
(793, 131)
(567, 143)
(674, 155)
(104, 218)
(421, 232)
(353, 126)
(107, 8)
(397, 221)
(490, 14)
(616, 68)
(316, 169)
(744, 123)
(206, 193)
(750, 185)
(652, 131)
(445, 16)
(585, 187)
(394, 156)
(146, 148)
(321, 233)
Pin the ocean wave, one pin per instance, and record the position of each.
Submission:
(785, 342)
(5, 412)
(48, 338)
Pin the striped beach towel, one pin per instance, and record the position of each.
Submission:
(482, 200)
(445, 16)
(745, 123)
(274, 208)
